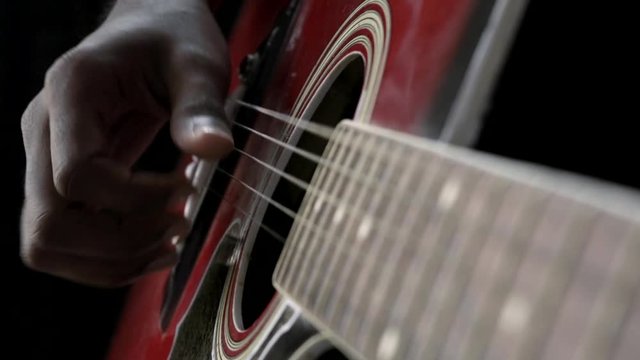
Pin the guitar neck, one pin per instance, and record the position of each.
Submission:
(407, 248)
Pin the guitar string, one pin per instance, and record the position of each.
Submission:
(285, 210)
(302, 222)
(313, 158)
(323, 131)
(317, 160)
(319, 130)
(297, 182)
(282, 239)
(326, 197)
(280, 207)
(251, 217)
(288, 212)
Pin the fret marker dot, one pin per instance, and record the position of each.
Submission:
(339, 214)
(449, 194)
(364, 229)
(514, 315)
(318, 205)
(388, 345)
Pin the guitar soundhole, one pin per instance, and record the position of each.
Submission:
(332, 354)
(339, 102)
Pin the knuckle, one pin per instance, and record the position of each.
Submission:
(34, 256)
(35, 239)
(27, 120)
(70, 66)
(62, 177)
(201, 60)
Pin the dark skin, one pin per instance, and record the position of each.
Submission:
(87, 217)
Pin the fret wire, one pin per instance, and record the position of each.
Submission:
(377, 168)
(588, 196)
(441, 232)
(429, 165)
(313, 157)
(324, 242)
(515, 314)
(313, 190)
(311, 226)
(290, 253)
(578, 305)
(356, 309)
(614, 302)
(364, 146)
(627, 345)
(479, 235)
(502, 255)
(323, 211)
(361, 205)
(369, 245)
(451, 285)
(305, 260)
(302, 232)
(411, 169)
(344, 283)
(558, 278)
(349, 251)
(314, 228)
(436, 169)
(431, 247)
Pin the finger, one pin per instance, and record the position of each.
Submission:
(35, 135)
(81, 232)
(106, 184)
(77, 95)
(81, 92)
(102, 272)
(198, 82)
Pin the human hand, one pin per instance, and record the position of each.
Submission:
(87, 216)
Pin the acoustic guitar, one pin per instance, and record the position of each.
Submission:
(353, 220)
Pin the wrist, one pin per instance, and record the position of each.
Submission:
(123, 7)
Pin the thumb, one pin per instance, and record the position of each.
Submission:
(199, 125)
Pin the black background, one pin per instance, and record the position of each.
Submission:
(48, 318)
(567, 98)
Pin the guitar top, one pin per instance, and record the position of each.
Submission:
(353, 221)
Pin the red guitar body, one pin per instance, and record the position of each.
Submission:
(404, 54)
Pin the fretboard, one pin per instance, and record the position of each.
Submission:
(410, 249)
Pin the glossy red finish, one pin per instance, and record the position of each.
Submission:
(424, 35)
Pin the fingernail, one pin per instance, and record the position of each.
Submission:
(162, 262)
(190, 170)
(177, 232)
(210, 125)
